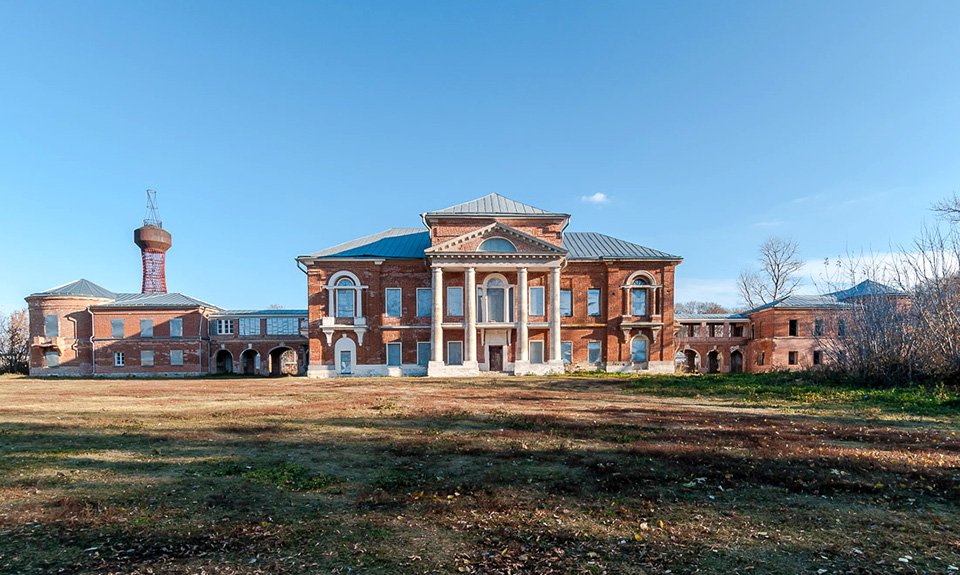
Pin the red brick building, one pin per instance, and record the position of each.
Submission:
(490, 285)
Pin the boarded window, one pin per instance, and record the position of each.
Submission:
(393, 353)
(393, 302)
(146, 328)
(593, 302)
(176, 327)
(51, 326)
(176, 357)
(52, 359)
(536, 351)
(146, 358)
(116, 328)
(423, 353)
(566, 351)
(454, 353)
(536, 301)
(566, 302)
(593, 351)
(455, 301)
(424, 302)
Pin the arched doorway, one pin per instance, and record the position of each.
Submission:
(283, 361)
(224, 362)
(736, 361)
(345, 355)
(250, 362)
(713, 362)
(691, 361)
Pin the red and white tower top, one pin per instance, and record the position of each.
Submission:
(154, 241)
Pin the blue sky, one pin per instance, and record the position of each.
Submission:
(276, 129)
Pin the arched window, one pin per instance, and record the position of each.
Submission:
(497, 245)
(639, 286)
(345, 294)
(638, 350)
(495, 300)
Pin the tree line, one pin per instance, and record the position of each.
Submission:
(14, 342)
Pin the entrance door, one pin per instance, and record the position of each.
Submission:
(736, 362)
(496, 358)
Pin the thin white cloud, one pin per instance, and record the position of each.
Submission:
(597, 198)
(768, 224)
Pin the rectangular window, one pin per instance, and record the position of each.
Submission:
(52, 359)
(638, 302)
(423, 353)
(346, 362)
(593, 302)
(146, 328)
(116, 328)
(393, 303)
(118, 359)
(842, 328)
(737, 330)
(817, 357)
(454, 353)
(536, 351)
(792, 358)
(566, 351)
(283, 326)
(146, 359)
(247, 326)
(346, 302)
(455, 301)
(536, 300)
(593, 351)
(794, 328)
(394, 353)
(424, 302)
(761, 358)
(224, 327)
(176, 327)
(818, 327)
(51, 326)
(566, 302)
(176, 357)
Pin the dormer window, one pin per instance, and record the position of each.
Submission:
(497, 245)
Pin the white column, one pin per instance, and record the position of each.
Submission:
(436, 320)
(555, 357)
(523, 305)
(470, 327)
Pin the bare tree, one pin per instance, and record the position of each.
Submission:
(14, 342)
(699, 307)
(778, 276)
(948, 209)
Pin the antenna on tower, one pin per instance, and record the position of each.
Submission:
(152, 218)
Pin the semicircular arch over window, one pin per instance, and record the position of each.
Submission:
(497, 245)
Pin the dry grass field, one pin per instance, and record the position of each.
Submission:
(513, 475)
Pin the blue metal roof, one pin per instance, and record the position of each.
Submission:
(710, 316)
(493, 205)
(79, 288)
(595, 246)
(396, 243)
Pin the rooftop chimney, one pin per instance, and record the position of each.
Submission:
(154, 241)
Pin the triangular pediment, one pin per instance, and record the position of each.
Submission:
(469, 243)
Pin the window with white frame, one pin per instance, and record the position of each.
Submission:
(497, 245)
(146, 328)
(146, 359)
(393, 302)
(455, 301)
(176, 327)
(496, 301)
(454, 353)
(593, 351)
(118, 359)
(394, 352)
(638, 296)
(176, 357)
(536, 300)
(116, 328)
(566, 351)
(536, 351)
(424, 302)
(224, 327)
(638, 350)
(51, 325)
(51, 359)
(247, 326)
(283, 326)
(345, 294)
(593, 302)
(423, 353)
(566, 302)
